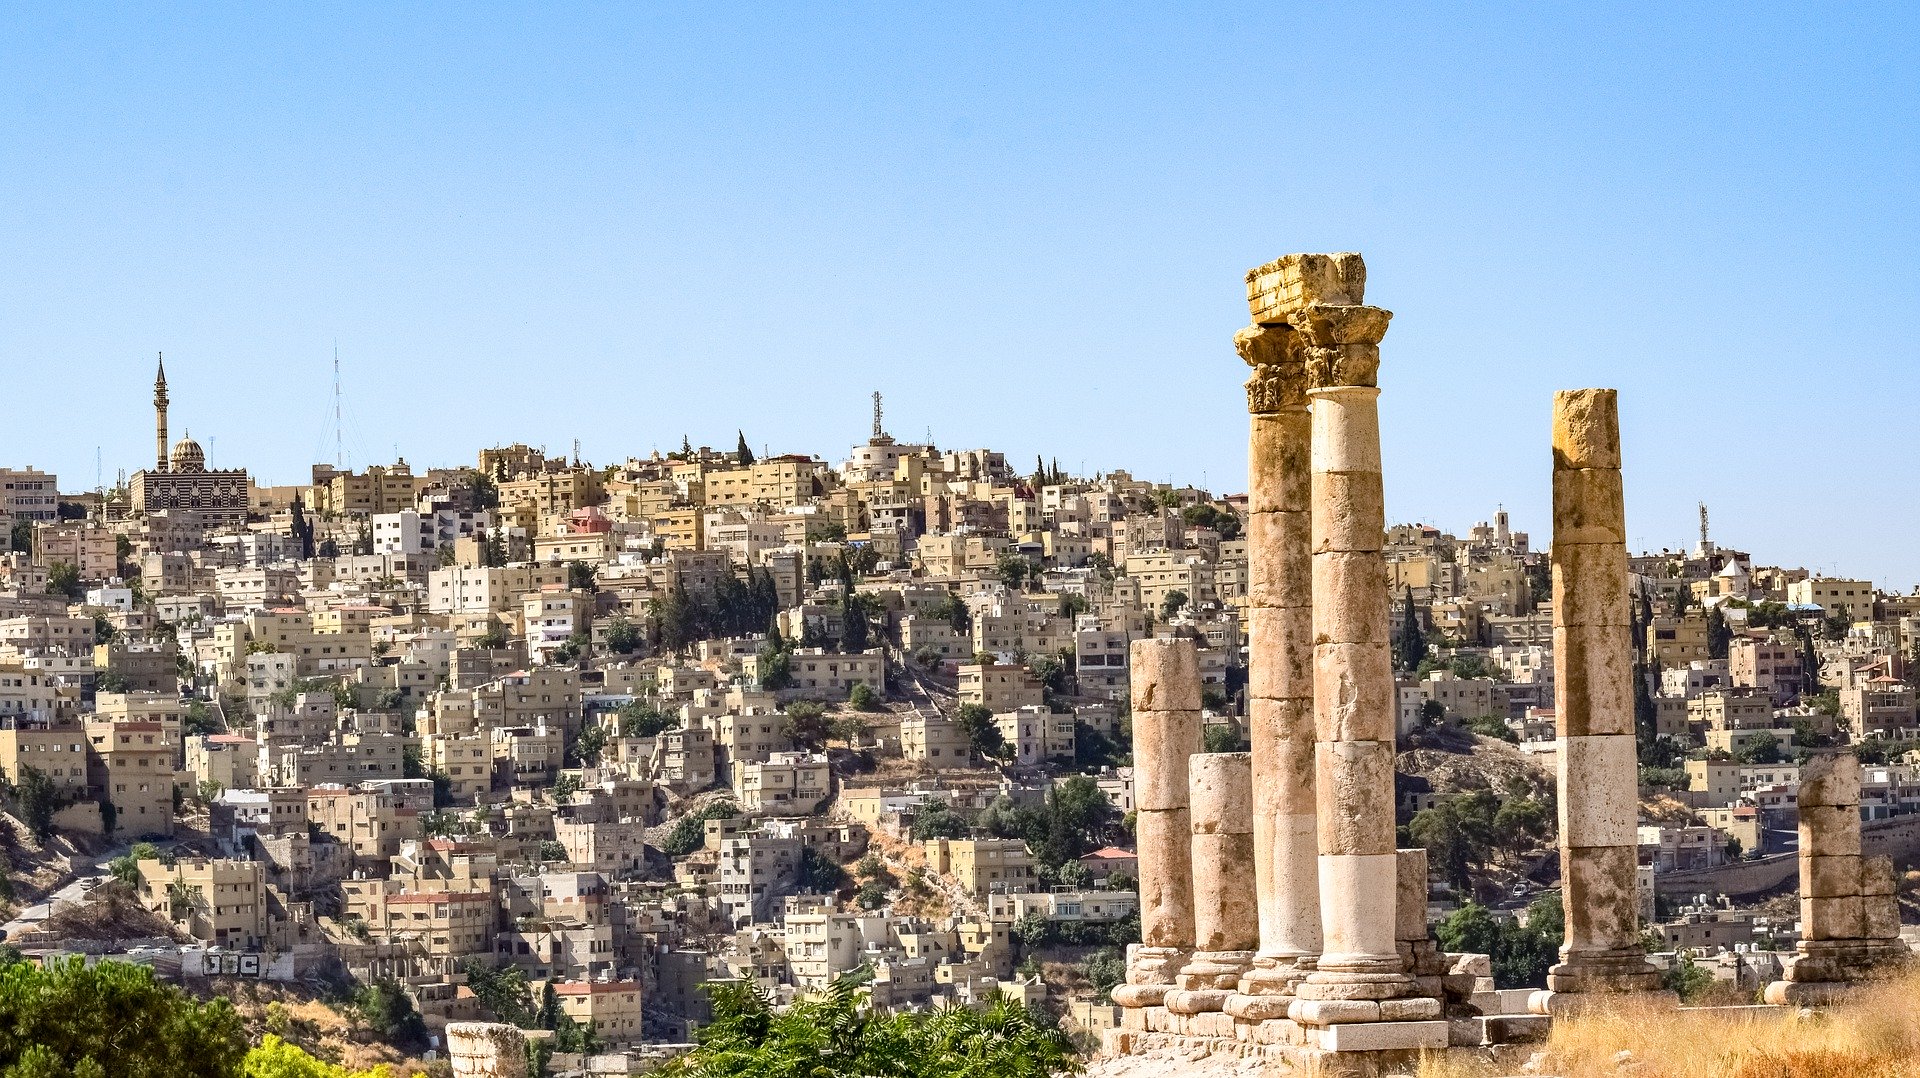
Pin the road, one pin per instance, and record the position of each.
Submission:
(82, 877)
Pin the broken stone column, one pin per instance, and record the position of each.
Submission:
(1849, 915)
(1225, 916)
(1280, 650)
(1166, 731)
(1593, 705)
(1359, 990)
(486, 1050)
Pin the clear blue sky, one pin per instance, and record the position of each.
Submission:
(1027, 228)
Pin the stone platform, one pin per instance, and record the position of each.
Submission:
(1352, 1048)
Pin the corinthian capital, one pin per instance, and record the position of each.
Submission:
(1279, 379)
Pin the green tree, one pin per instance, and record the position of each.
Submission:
(1719, 634)
(391, 1013)
(863, 698)
(641, 719)
(690, 832)
(1761, 748)
(20, 538)
(623, 637)
(63, 578)
(38, 800)
(934, 818)
(503, 992)
(1223, 737)
(806, 724)
(740, 452)
(1175, 602)
(976, 721)
(1012, 569)
(1686, 978)
(111, 1019)
(580, 577)
(1104, 970)
(589, 744)
(1410, 643)
(818, 874)
(835, 1033)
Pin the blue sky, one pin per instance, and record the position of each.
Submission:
(1026, 226)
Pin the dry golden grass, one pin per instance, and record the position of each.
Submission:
(1876, 1035)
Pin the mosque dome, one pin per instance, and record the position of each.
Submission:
(188, 456)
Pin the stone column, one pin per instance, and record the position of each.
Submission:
(1849, 915)
(1593, 708)
(486, 1050)
(1360, 978)
(1225, 919)
(1166, 731)
(1280, 677)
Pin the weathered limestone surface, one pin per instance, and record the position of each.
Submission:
(1849, 915)
(1279, 588)
(1593, 701)
(1226, 918)
(486, 1050)
(1166, 732)
(1360, 977)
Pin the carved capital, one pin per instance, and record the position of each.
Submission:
(1324, 325)
(1279, 379)
(1343, 365)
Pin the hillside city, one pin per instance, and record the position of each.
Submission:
(557, 744)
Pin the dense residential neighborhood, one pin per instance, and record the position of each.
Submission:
(557, 744)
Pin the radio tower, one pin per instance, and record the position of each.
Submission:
(877, 432)
(339, 452)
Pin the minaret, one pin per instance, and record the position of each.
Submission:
(160, 415)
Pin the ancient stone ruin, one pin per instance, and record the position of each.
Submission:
(1278, 920)
(1849, 915)
(486, 1050)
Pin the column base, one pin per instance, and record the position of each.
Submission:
(1844, 960)
(1150, 975)
(1204, 983)
(1602, 973)
(1266, 990)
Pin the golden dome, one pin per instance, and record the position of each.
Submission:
(188, 456)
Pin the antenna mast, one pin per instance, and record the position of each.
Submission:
(1703, 525)
(877, 432)
(339, 453)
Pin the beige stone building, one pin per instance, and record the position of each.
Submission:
(133, 764)
(612, 1008)
(217, 902)
(983, 865)
(785, 784)
(999, 687)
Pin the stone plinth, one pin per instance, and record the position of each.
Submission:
(1280, 650)
(486, 1050)
(1593, 702)
(1166, 732)
(1226, 924)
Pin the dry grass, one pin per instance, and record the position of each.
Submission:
(1876, 1035)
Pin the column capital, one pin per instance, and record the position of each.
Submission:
(1341, 343)
(1279, 381)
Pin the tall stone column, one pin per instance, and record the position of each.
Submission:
(1849, 914)
(1593, 709)
(1166, 731)
(1360, 978)
(1280, 676)
(1226, 924)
